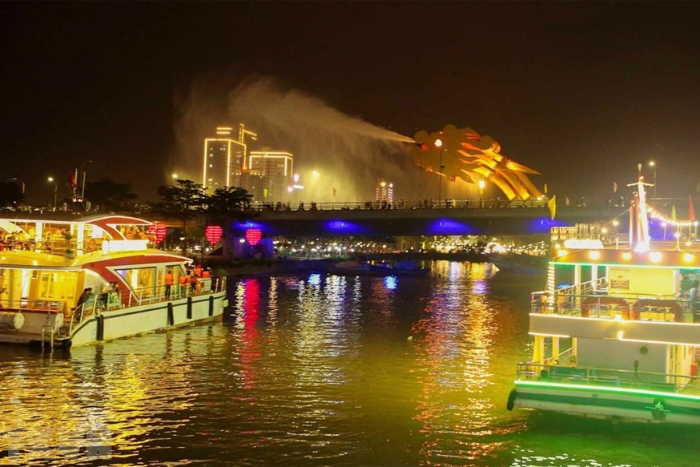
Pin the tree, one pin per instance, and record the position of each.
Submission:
(11, 193)
(226, 205)
(186, 201)
(110, 196)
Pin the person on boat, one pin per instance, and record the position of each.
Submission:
(695, 300)
(114, 295)
(193, 281)
(82, 301)
(183, 283)
(104, 296)
(168, 282)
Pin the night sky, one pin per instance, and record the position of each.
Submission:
(581, 92)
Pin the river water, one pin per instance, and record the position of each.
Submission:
(317, 370)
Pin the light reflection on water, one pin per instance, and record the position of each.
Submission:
(314, 370)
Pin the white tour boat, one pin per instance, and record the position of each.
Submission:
(613, 332)
(95, 279)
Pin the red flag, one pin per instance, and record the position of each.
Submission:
(71, 176)
(691, 209)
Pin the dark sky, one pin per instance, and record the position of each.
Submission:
(580, 91)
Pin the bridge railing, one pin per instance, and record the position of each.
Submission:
(492, 203)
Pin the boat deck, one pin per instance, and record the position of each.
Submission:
(571, 374)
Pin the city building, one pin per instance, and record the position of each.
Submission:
(268, 175)
(224, 158)
(384, 191)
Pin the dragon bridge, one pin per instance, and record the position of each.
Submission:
(463, 153)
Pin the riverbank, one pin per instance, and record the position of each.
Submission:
(261, 267)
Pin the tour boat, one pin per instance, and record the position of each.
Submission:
(95, 279)
(613, 332)
(518, 263)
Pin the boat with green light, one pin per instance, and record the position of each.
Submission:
(613, 332)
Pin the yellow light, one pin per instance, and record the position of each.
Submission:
(438, 143)
(594, 254)
(565, 336)
(627, 255)
(655, 256)
(688, 257)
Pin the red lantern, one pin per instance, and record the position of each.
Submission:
(158, 230)
(253, 236)
(213, 233)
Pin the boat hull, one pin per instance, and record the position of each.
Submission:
(531, 265)
(624, 404)
(130, 321)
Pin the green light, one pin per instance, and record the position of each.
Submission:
(631, 392)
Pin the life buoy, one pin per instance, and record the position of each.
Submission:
(511, 399)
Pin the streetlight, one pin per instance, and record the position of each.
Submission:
(482, 184)
(55, 190)
(438, 144)
(652, 164)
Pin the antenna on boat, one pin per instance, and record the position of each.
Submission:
(639, 222)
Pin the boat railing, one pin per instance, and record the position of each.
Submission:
(24, 304)
(58, 247)
(571, 374)
(97, 303)
(618, 306)
(202, 286)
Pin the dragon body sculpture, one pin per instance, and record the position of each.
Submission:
(463, 153)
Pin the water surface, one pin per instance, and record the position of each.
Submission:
(316, 370)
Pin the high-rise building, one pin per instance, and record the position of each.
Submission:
(384, 191)
(223, 158)
(268, 175)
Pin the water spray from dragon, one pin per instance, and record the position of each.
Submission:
(351, 151)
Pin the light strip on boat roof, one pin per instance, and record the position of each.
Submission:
(659, 342)
(548, 335)
(585, 387)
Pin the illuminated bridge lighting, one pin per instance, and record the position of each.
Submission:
(450, 227)
(542, 225)
(340, 226)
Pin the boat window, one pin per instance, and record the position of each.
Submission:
(141, 280)
(14, 286)
(57, 286)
